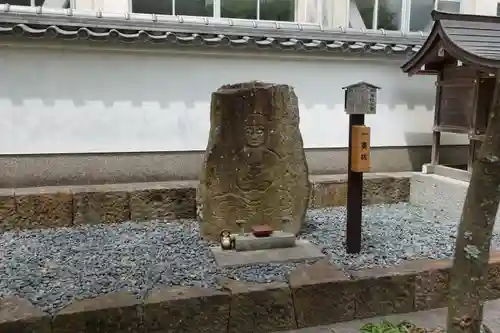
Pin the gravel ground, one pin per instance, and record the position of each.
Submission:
(53, 267)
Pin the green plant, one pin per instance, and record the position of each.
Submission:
(387, 327)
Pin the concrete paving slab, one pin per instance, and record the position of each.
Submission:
(492, 316)
(318, 329)
(427, 319)
(303, 250)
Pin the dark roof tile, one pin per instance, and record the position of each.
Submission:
(472, 39)
(38, 22)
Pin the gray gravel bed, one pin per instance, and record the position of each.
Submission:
(53, 267)
(391, 234)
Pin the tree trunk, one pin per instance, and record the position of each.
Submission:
(472, 251)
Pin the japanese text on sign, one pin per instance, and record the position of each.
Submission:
(360, 154)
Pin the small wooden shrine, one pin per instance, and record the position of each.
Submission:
(463, 51)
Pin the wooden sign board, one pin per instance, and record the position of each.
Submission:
(361, 98)
(360, 154)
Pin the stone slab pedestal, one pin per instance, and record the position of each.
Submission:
(277, 240)
(303, 250)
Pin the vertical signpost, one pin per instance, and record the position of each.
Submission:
(360, 99)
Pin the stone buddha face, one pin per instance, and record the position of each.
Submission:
(255, 130)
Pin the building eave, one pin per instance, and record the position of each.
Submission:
(167, 30)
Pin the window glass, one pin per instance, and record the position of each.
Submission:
(39, 3)
(327, 19)
(420, 15)
(448, 6)
(277, 10)
(16, 2)
(306, 11)
(152, 6)
(361, 14)
(242, 9)
(194, 7)
(420, 12)
(389, 14)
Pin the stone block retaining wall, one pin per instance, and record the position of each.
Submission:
(318, 294)
(62, 206)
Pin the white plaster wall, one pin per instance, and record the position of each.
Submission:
(86, 5)
(64, 101)
(485, 7)
(112, 6)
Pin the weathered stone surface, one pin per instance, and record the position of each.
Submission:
(329, 194)
(491, 290)
(92, 207)
(255, 167)
(18, 315)
(7, 210)
(110, 203)
(331, 190)
(162, 204)
(387, 190)
(431, 283)
(186, 310)
(259, 307)
(322, 294)
(381, 291)
(46, 208)
(110, 313)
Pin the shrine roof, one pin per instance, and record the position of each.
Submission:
(189, 31)
(471, 39)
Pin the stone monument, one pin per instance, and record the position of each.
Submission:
(254, 168)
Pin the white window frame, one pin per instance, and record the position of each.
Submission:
(71, 3)
(405, 12)
(330, 5)
(403, 19)
(436, 4)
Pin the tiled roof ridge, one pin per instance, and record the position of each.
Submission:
(192, 30)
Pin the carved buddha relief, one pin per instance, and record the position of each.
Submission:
(256, 162)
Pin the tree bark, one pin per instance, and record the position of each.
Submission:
(472, 250)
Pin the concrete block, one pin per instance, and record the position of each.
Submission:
(20, 316)
(185, 309)
(450, 172)
(259, 307)
(314, 287)
(278, 239)
(444, 194)
(428, 168)
(111, 313)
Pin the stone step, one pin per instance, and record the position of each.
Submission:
(426, 319)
